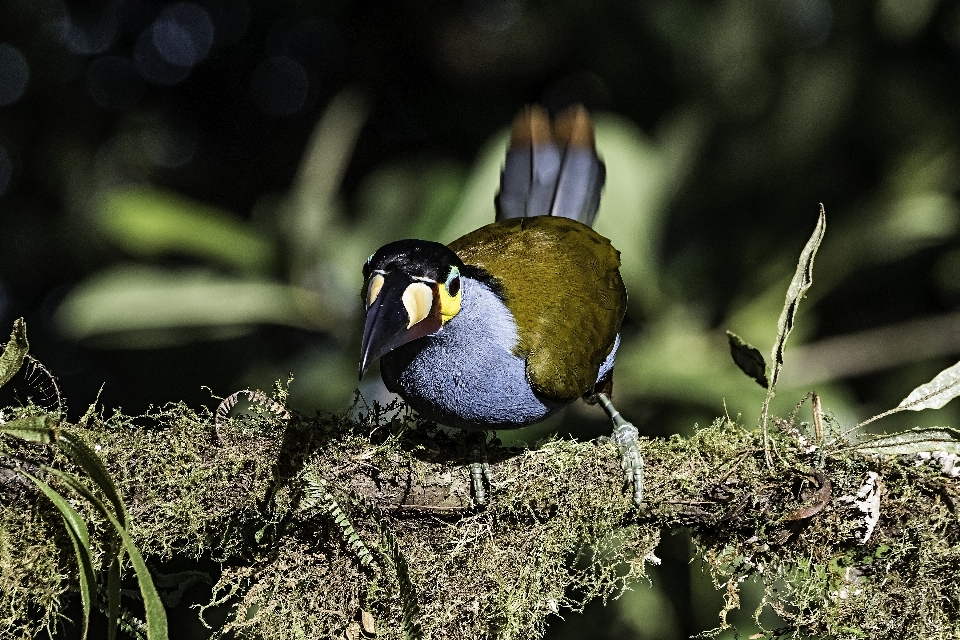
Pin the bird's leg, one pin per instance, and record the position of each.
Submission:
(479, 470)
(479, 467)
(625, 437)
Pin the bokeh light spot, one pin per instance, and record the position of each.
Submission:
(113, 82)
(14, 74)
(279, 86)
(152, 65)
(183, 34)
(86, 37)
(174, 43)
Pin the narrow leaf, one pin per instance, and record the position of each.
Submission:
(14, 352)
(801, 282)
(151, 222)
(936, 393)
(913, 441)
(113, 594)
(90, 462)
(153, 606)
(748, 358)
(79, 536)
(137, 306)
(802, 279)
(40, 429)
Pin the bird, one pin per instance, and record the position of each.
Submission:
(512, 322)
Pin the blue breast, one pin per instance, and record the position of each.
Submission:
(466, 375)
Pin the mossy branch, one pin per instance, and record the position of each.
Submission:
(342, 523)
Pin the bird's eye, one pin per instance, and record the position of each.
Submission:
(453, 282)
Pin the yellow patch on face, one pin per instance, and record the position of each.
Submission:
(373, 289)
(449, 304)
(417, 300)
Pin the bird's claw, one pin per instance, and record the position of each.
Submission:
(625, 436)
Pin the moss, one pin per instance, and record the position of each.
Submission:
(34, 575)
(558, 531)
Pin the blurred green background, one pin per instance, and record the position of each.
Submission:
(188, 191)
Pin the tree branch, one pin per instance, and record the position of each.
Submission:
(336, 523)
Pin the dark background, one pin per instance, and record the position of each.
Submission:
(188, 191)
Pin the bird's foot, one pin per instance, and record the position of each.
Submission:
(479, 469)
(625, 436)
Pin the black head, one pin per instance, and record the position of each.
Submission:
(410, 289)
(416, 258)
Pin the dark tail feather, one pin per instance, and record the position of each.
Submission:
(549, 172)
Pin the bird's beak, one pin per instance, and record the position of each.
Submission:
(403, 309)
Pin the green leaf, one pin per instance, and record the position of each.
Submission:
(748, 358)
(932, 395)
(136, 306)
(71, 445)
(936, 393)
(79, 536)
(153, 606)
(40, 429)
(802, 279)
(113, 594)
(14, 352)
(152, 223)
(90, 462)
(801, 282)
(913, 441)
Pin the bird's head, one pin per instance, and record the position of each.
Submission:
(411, 288)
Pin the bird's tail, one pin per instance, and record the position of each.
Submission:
(551, 170)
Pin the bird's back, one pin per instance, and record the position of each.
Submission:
(561, 281)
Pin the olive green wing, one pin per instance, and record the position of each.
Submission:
(561, 281)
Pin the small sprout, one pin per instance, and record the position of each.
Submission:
(817, 418)
(256, 397)
(44, 382)
(802, 279)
